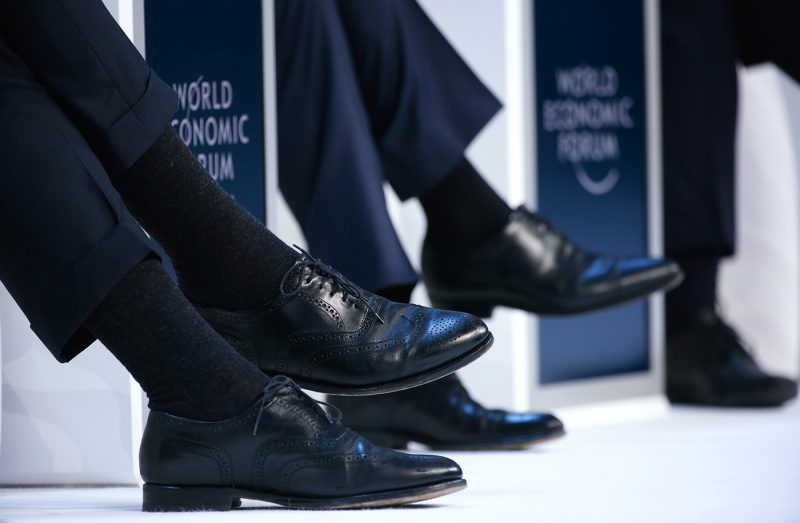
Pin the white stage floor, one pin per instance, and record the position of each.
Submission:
(695, 465)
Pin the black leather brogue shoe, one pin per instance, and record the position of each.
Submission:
(442, 415)
(708, 364)
(285, 449)
(331, 336)
(531, 266)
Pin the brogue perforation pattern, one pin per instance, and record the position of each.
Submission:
(218, 455)
(329, 309)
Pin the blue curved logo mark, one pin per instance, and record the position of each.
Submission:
(596, 187)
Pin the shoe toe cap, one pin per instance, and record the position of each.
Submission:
(425, 468)
(629, 276)
(649, 270)
(447, 334)
(533, 423)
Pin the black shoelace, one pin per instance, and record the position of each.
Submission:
(328, 275)
(279, 383)
(545, 228)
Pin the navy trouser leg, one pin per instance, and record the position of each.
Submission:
(701, 44)
(76, 101)
(79, 53)
(699, 96)
(65, 236)
(330, 172)
(425, 104)
(367, 91)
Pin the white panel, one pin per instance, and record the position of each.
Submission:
(113, 7)
(61, 423)
(759, 287)
(270, 110)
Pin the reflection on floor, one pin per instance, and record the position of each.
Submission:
(695, 465)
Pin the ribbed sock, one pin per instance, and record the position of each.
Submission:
(222, 255)
(463, 210)
(182, 364)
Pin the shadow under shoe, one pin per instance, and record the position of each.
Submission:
(529, 265)
(708, 364)
(331, 336)
(284, 449)
(442, 415)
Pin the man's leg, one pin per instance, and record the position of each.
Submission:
(707, 362)
(123, 108)
(215, 414)
(228, 262)
(699, 94)
(79, 266)
(68, 243)
(425, 106)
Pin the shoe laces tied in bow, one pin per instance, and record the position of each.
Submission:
(278, 383)
(328, 274)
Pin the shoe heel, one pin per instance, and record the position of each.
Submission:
(164, 498)
(479, 309)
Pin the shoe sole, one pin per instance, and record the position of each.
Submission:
(165, 498)
(401, 442)
(482, 304)
(762, 400)
(400, 384)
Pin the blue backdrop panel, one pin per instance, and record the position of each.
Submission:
(211, 54)
(592, 168)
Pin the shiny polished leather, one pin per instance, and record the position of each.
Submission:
(707, 364)
(284, 449)
(531, 266)
(330, 336)
(442, 415)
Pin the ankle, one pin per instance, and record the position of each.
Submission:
(463, 210)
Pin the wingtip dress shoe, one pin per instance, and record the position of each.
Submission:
(443, 416)
(331, 336)
(708, 364)
(531, 266)
(285, 449)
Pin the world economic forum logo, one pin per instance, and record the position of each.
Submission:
(587, 116)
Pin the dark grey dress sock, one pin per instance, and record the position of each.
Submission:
(182, 364)
(463, 210)
(222, 255)
(697, 293)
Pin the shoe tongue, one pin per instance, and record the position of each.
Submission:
(296, 274)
